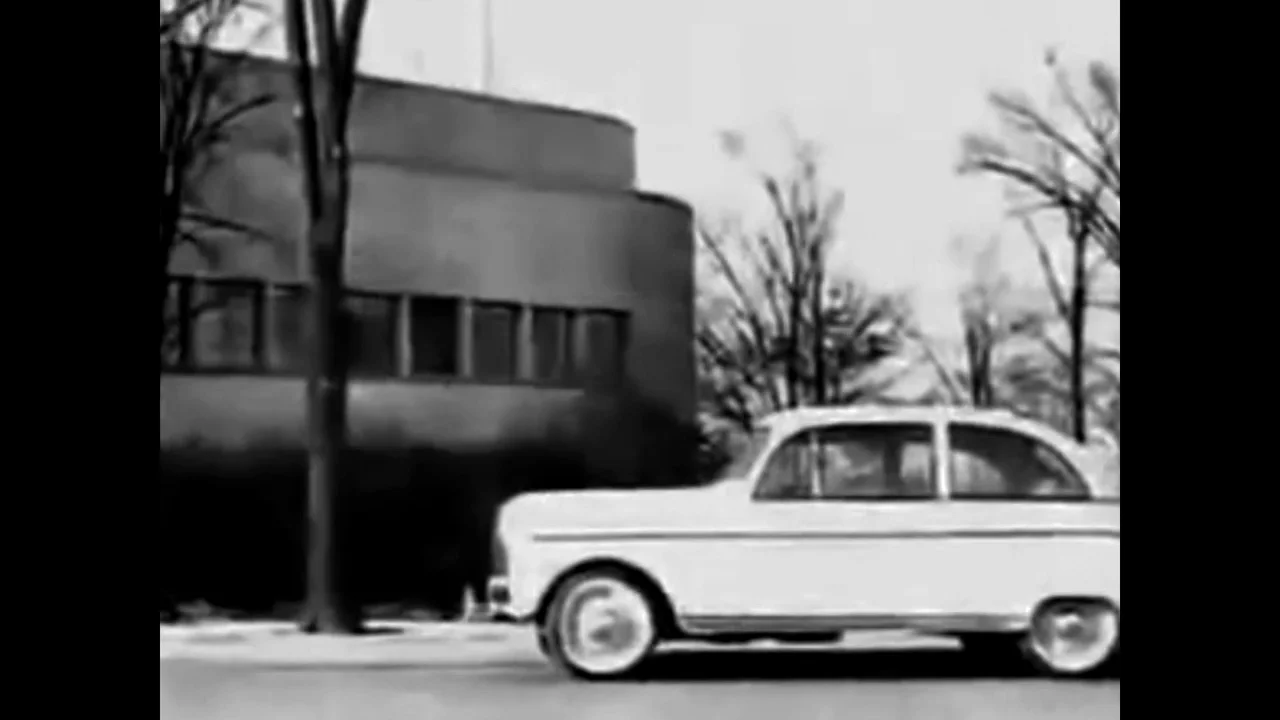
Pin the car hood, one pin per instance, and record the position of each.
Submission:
(614, 509)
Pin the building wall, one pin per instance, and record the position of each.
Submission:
(234, 411)
(453, 195)
(447, 130)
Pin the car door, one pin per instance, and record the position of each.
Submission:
(841, 516)
(1014, 508)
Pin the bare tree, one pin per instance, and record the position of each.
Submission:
(1011, 357)
(1066, 171)
(199, 107)
(1015, 344)
(1040, 387)
(774, 329)
(992, 319)
(1069, 165)
(198, 110)
(325, 82)
(984, 328)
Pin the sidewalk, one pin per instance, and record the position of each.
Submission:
(401, 644)
(391, 643)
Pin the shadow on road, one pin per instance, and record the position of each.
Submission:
(834, 664)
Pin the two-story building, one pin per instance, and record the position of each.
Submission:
(505, 277)
(499, 260)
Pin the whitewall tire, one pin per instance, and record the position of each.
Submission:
(599, 626)
(1073, 638)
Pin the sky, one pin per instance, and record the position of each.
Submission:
(885, 88)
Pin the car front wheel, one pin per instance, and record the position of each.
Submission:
(1073, 638)
(599, 626)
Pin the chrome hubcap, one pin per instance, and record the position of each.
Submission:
(1075, 637)
(606, 626)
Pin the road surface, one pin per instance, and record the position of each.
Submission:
(763, 684)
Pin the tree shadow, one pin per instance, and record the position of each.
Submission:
(418, 523)
(821, 664)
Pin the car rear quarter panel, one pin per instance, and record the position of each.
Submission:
(1007, 557)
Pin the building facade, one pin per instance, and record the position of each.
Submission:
(499, 264)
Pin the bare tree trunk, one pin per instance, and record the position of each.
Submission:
(164, 298)
(971, 353)
(171, 190)
(326, 187)
(819, 339)
(1079, 305)
(168, 231)
(327, 609)
(793, 345)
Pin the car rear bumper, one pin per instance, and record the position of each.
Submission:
(498, 597)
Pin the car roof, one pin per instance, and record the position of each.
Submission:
(796, 420)
(802, 418)
(790, 422)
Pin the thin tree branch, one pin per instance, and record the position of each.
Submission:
(214, 128)
(1038, 124)
(1050, 272)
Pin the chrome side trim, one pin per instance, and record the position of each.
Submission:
(941, 623)
(606, 536)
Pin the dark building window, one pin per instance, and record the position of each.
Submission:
(604, 341)
(255, 326)
(494, 329)
(286, 333)
(433, 335)
(370, 334)
(552, 344)
(224, 330)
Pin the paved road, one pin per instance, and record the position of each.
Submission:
(769, 685)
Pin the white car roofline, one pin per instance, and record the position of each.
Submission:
(786, 423)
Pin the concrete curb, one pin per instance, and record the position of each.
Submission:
(382, 631)
(415, 644)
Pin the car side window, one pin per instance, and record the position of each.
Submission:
(876, 461)
(998, 464)
(853, 462)
(789, 472)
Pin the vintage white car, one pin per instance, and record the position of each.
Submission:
(968, 523)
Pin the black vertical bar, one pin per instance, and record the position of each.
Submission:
(185, 322)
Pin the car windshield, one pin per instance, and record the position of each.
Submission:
(745, 454)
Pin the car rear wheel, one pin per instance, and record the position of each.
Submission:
(1073, 638)
(600, 626)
